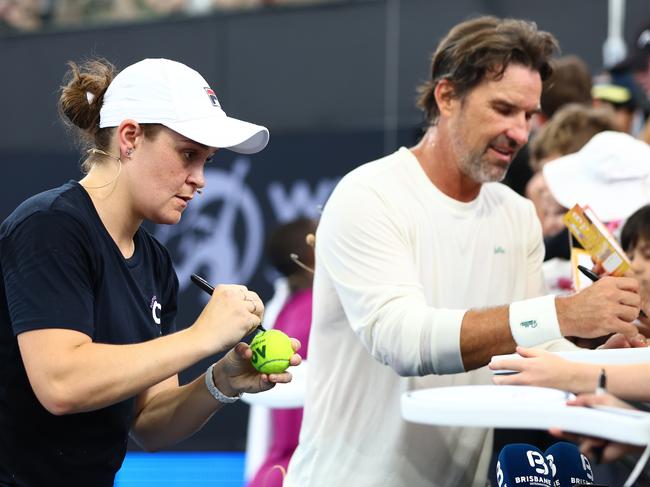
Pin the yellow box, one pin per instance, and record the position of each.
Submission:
(596, 239)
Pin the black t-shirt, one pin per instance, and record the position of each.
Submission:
(61, 269)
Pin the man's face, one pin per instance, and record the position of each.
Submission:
(492, 122)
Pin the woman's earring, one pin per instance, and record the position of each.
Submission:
(129, 151)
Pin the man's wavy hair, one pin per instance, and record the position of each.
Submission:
(484, 46)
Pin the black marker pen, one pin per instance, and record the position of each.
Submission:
(589, 273)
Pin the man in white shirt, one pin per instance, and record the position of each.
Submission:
(418, 255)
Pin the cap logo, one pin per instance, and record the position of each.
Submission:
(213, 98)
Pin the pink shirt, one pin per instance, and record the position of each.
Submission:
(295, 320)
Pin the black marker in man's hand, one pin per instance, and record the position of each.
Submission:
(594, 277)
(205, 286)
(589, 273)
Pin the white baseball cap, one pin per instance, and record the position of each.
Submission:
(611, 174)
(178, 97)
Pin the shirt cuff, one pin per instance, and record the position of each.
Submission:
(445, 342)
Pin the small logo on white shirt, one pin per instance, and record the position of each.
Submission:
(156, 310)
(499, 250)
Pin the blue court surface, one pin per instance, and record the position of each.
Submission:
(177, 469)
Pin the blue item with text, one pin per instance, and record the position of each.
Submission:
(568, 466)
(523, 465)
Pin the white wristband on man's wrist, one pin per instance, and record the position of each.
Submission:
(216, 393)
(534, 321)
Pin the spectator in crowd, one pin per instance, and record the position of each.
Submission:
(76, 12)
(620, 100)
(610, 173)
(567, 132)
(293, 257)
(569, 83)
(88, 340)
(21, 15)
(638, 59)
(416, 254)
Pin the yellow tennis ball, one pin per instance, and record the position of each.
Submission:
(271, 351)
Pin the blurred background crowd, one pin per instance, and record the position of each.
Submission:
(31, 15)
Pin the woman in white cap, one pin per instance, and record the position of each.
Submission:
(89, 351)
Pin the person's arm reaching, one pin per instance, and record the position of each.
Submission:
(544, 369)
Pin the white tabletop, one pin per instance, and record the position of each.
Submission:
(523, 407)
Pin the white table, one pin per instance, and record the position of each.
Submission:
(522, 407)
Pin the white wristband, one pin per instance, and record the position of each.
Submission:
(534, 321)
(216, 393)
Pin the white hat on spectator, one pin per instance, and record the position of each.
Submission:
(167, 92)
(611, 174)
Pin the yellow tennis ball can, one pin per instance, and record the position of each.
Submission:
(271, 351)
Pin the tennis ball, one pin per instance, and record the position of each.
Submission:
(271, 351)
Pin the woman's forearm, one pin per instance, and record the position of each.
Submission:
(71, 374)
(173, 414)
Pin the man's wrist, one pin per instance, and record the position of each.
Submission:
(562, 308)
(534, 321)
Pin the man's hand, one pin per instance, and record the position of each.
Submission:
(609, 305)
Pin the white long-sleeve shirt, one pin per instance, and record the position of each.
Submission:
(397, 264)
